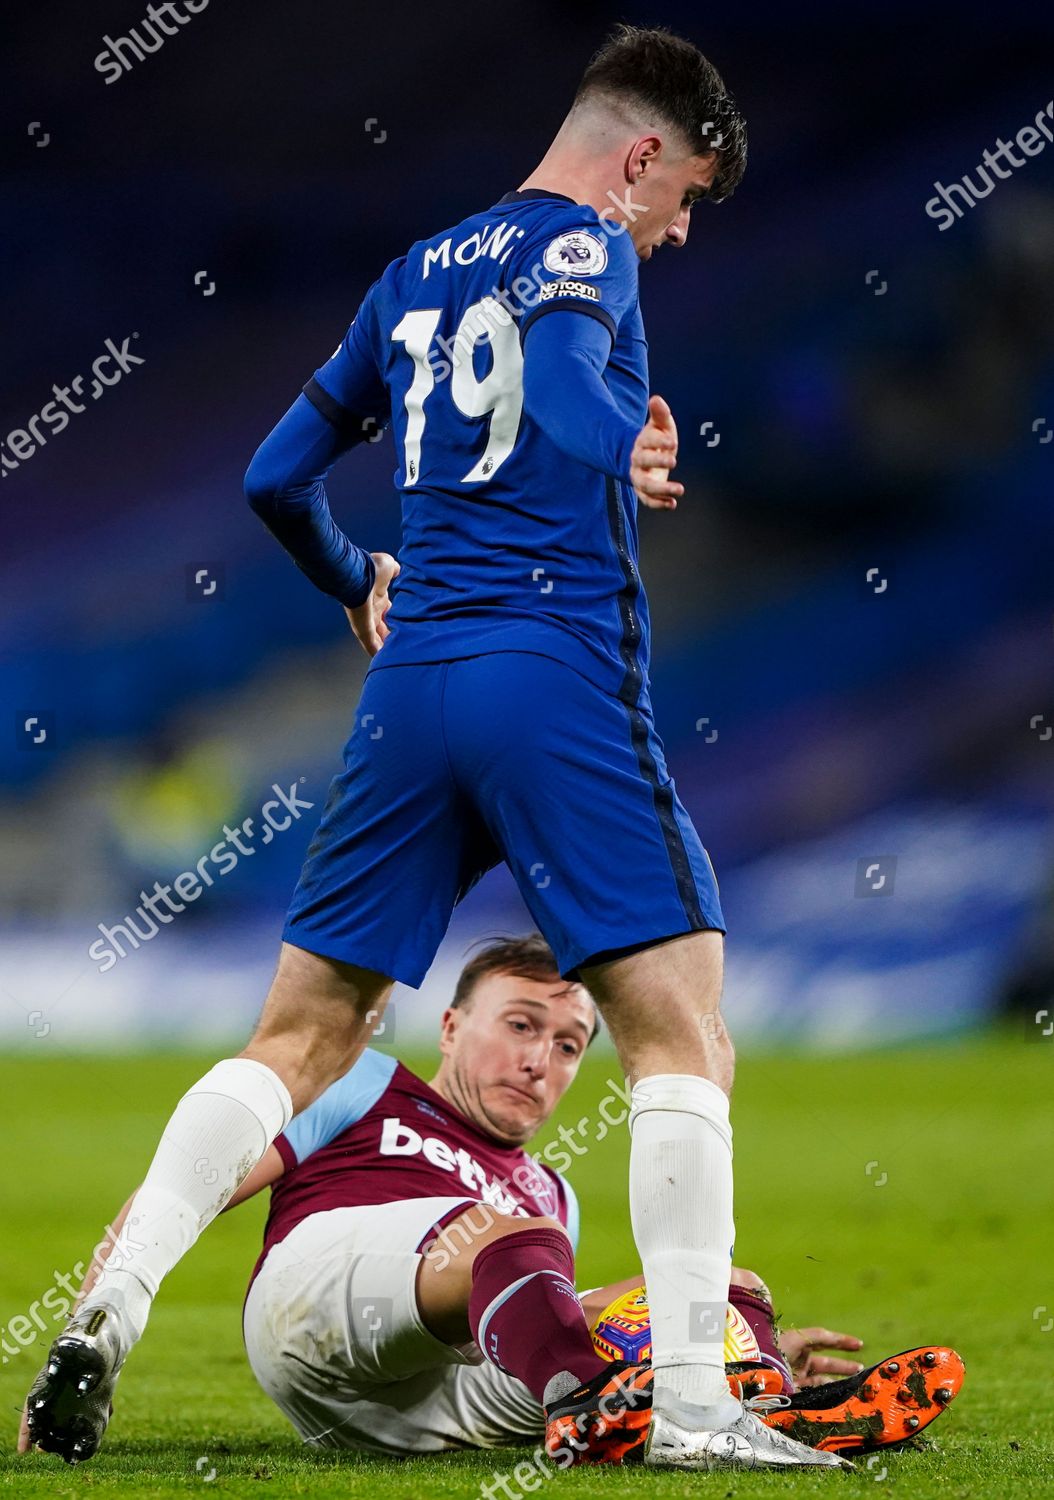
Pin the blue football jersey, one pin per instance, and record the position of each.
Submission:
(507, 543)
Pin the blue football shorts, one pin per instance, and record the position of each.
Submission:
(454, 766)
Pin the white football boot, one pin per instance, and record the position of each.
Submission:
(679, 1438)
(70, 1402)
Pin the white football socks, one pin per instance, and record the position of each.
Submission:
(680, 1194)
(218, 1132)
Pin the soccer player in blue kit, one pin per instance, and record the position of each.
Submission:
(509, 678)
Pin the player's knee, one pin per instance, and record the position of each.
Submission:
(542, 1221)
(480, 1225)
(749, 1281)
(505, 1226)
(744, 1278)
(507, 1230)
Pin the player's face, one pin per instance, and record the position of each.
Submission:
(668, 188)
(512, 1050)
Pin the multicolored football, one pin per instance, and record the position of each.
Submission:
(623, 1331)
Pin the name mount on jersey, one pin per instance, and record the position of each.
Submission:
(497, 243)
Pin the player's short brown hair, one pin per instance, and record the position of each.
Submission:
(669, 78)
(527, 957)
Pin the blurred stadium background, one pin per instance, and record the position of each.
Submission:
(853, 611)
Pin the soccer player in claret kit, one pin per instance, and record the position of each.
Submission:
(509, 675)
(399, 1209)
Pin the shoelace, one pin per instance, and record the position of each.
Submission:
(763, 1404)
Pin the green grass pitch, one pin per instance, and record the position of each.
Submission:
(947, 1239)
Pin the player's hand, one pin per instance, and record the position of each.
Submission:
(23, 1433)
(801, 1348)
(367, 620)
(654, 455)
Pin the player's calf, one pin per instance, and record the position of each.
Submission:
(661, 1004)
(318, 1016)
(525, 1315)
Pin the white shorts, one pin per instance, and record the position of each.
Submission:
(335, 1338)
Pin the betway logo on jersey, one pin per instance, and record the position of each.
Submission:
(398, 1139)
(567, 288)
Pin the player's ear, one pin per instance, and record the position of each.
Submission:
(448, 1028)
(640, 154)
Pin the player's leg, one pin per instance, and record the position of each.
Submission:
(360, 1321)
(387, 863)
(661, 1006)
(574, 786)
(509, 1283)
(312, 1029)
(319, 1014)
(316, 1020)
(360, 1334)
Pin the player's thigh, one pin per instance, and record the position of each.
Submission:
(574, 787)
(492, 1409)
(452, 1408)
(332, 1318)
(398, 842)
(340, 1293)
(334, 1336)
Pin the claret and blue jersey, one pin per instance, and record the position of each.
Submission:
(380, 1134)
(507, 541)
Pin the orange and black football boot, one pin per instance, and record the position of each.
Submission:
(885, 1405)
(604, 1421)
(579, 1431)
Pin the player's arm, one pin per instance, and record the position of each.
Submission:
(594, 1302)
(343, 404)
(285, 485)
(586, 287)
(564, 392)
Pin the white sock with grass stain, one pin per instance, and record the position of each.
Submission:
(218, 1132)
(680, 1192)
